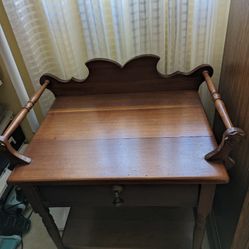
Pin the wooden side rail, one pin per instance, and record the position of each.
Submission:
(7, 152)
(231, 136)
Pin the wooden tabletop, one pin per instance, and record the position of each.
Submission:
(159, 137)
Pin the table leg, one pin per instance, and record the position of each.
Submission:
(203, 209)
(33, 197)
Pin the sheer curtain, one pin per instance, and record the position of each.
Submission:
(59, 36)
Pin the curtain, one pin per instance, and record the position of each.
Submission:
(59, 36)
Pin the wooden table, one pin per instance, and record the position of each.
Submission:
(130, 149)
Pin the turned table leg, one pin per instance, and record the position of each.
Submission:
(203, 209)
(33, 197)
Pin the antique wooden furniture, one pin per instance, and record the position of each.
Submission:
(232, 232)
(125, 136)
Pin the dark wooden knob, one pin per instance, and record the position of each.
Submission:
(117, 200)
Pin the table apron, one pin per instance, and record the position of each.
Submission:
(170, 195)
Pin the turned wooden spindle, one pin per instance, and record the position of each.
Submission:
(24, 111)
(218, 102)
(231, 136)
(6, 149)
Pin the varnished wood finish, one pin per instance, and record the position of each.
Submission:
(242, 231)
(133, 195)
(126, 160)
(219, 104)
(128, 126)
(232, 135)
(137, 75)
(140, 115)
(22, 114)
(6, 149)
(131, 143)
(204, 207)
(234, 89)
(37, 204)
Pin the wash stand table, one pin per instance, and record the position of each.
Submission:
(120, 148)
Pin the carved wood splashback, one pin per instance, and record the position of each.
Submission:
(138, 74)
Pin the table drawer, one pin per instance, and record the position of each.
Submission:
(120, 195)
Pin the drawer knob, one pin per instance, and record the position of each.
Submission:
(117, 200)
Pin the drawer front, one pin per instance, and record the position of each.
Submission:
(120, 195)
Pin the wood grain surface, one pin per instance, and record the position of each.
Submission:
(152, 137)
(124, 136)
(142, 195)
(241, 236)
(126, 116)
(234, 89)
(140, 74)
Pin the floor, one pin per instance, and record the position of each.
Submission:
(38, 237)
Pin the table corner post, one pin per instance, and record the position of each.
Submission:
(206, 196)
(32, 194)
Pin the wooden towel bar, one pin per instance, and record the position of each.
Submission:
(6, 149)
(231, 136)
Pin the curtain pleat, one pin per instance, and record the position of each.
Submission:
(59, 36)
